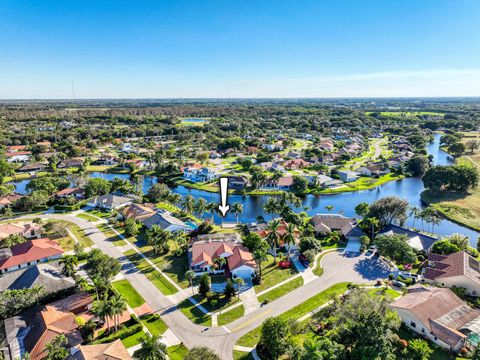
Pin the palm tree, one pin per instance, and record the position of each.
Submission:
(272, 236)
(240, 282)
(174, 198)
(103, 309)
(237, 209)
(81, 283)
(190, 275)
(415, 212)
(101, 284)
(211, 208)
(158, 238)
(260, 256)
(199, 207)
(151, 349)
(187, 203)
(289, 237)
(69, 263)
(220, 262)
(271, 206)
(119, 305)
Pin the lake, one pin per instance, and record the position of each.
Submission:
(343, 203)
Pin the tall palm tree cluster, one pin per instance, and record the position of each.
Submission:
(429, 216)
(200, 206)
(274, 235)
(110, 308)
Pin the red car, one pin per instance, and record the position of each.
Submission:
(284, 264)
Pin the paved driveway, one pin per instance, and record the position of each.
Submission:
(357, 268)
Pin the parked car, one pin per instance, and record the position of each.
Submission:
(285, 264)
(398, 283)
(304, 260)
(407, 274)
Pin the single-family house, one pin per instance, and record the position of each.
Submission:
(294, 155)
(296, 164)
(207, 248)
(32, 167)
(47, 275)
(326, 182)
(347, 175)
(18, 156)
(32, 330)
(69, 163)
(416, 240)
(166, 221)
(28, 254)
(111, 201)
(438, 315)
(198, 173)
(109, 351)
(325, 224)
(283, 183)
(238, 182)
(28, 230)
(9, 200)
(454, 270)
(75, 192)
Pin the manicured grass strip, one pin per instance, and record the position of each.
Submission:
(79, 233)
(194, 313)
(133, 340)
(154, 324)
(87, 217)
(281, 290)
(100, 214)
(382, 291)
(177, 352)
(153, 275)
(251, 338)
(133, 298)
(241, 355)
(231, 315)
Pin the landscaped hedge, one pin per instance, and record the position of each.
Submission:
(123, 333)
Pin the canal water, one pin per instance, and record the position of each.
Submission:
(344, 203)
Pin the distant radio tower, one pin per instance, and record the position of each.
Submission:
(73, 90)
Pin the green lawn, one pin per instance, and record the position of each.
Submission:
(272, 274)
(241, 355)
(87, 217)
(194, 314)
(197, 316)
(174, 267)
(251, 338)
(177, 352)
(231, 315)
(111, 235)
(67, 242)
(154, 324)
(153, 275)
(98, 213)
(382, 291)
(133, 340)
(133, 298)
(281, 290)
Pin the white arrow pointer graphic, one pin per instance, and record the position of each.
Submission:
(223, 206)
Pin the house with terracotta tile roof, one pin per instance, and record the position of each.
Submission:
(18, 156)
(9, 200)
(32, 330)
(109, 351)
(29, 253)
(440, 316)
(207, 248)
(26, 229)
(75, 192)
(454, 270)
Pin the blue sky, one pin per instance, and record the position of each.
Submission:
(201, 48)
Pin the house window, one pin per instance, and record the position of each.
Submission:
(423, 330)
(412, 324)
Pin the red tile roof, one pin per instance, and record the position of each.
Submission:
(30, 251)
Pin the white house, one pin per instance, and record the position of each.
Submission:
(348, 176)
(199, 174)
